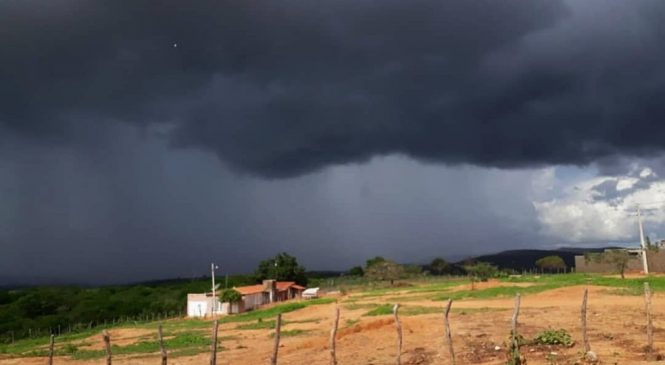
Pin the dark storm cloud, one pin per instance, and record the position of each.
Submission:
(284, 88)
(279, 88)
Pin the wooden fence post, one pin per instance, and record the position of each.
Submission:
(50, 350)
(107, 345)
(585, 337)
(278, 329)
(647, 302)
(398, 326)
(333, 334)
(449, 337)
(162, 350)
(213, 345)
(515, 356)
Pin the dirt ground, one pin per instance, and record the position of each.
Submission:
(480, 330)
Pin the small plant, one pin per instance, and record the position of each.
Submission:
(553, 337)
(513, 347)
(69, 349)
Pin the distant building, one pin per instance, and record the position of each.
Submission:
(655, 261)
(253, 297)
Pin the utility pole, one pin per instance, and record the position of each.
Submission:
(214, 299)
(645, 264)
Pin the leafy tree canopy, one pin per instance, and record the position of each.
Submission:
(551, 262)
(372, 261)
(282, 267)
(618, 258)
(439, 266)
(356, 271)
(230, 296)
(385, 270)
(481, 271)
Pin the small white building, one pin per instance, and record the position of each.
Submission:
(253, 297)
(199, 305)
(310, 293)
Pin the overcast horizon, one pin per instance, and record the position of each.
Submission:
(142, 140)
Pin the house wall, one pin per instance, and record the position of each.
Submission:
(198, 305)
(655, 260)
(253, 301)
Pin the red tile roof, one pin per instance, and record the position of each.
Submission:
(284, 285)
(279, 285)
(251, 289)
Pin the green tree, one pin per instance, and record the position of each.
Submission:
(618, 258)
(230, 296)
(373, 261)
(356, 271)
(439, 266)
(282, 267)
(480, 271)
(412, 269)
(385, 270)
(551, 263)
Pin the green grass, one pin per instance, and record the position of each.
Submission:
(411, 298)
(289, 333)
(184, 340)
(634, 286)
(411, 288)
(261, 324)
(185, 337)
(351, 322)
(387, 309)
(357, 306)
(274, 311)
(499, 291)
(464, 311)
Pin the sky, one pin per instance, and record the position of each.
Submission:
(145, 139)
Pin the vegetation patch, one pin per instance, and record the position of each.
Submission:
(386, 309)
(356, 306)
(634, 286)
(553, 337)
(499, 291)
(290, 333)
(261, 324)
(274, 311)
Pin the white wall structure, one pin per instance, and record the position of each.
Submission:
(199, 305)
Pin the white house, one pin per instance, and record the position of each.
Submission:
(253, 297)
(199, 305)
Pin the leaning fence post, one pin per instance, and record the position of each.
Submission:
(398, 326)
(333, 334)
(647, 302)
(107, 345)
(448, 334)
(50, 350)
(585, 337)
(278, 328)
(162, 350)
(213, 345)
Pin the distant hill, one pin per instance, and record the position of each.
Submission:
(525, 259)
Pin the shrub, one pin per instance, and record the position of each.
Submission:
(553, 337)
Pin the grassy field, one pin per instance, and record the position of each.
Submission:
(184, 337)
(361, 303)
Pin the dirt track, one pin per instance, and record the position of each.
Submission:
(616, 325)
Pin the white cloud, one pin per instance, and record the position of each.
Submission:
(602, 209)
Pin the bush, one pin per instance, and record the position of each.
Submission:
(481, 271)
(553, 337)
(231, 296)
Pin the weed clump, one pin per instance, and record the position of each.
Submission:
(553, 337)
